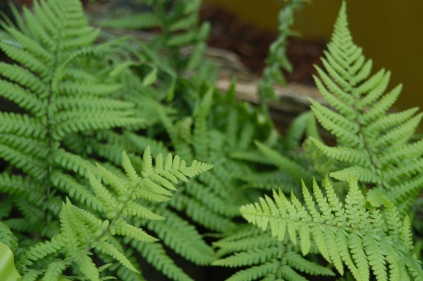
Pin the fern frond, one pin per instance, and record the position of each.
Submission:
(351, 233)
(86, 266)
(200, 213)
(295, 170)
(55, 269)
(75, 190)
(41, 250)
(265, 257)
(372, 142)
(7, 237)
(155, 254)
(109, 249)
(200, 130)
(166, 173)
(182, 237)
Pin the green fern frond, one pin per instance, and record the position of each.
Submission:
(201, 213)
(7, 237)
(374, 143)
(200, 122)
(361, 237)
(277, 58)
(265, 257)
(112, 251)
(42, 78)
(303, 125)
(282, 162)
(182, 237)
(55, 269)
(41, 250)
(82, 232)
(75, 190)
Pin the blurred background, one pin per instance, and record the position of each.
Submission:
(390, 32)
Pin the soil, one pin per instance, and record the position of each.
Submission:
(251, 44)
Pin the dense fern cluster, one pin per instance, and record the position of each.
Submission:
(119, 156)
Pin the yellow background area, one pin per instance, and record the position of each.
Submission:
(390, 32)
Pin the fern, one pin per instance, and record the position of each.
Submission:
(46, 142)
(43, 79)
(277, 59)
(82, 232)
(373, 143)
(353, 234)
(264, 256)
(81, 97)
(217, 131)
(178, 22)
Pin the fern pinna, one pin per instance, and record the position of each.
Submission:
(373, 143)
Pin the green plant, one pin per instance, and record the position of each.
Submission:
(276, 59)
(373, 143)
(370, 234)
(179, 35)
(64, 114)
(356, 234)
(83, 97)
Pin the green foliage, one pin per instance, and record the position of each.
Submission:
(66, 116)
(178, 24)
(46, 81)
(210, 200)
(75, 207)
(264, 256)
(276, 59)
(353, 233)
(374, 144)
(370, 235)
(82, 233)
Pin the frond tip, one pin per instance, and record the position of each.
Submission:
(351, 234)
